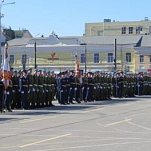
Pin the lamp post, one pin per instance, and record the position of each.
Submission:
(1, 15)
(35, 45)
(115, 50)
(85, 52)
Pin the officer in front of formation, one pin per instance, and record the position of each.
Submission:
(24, 88)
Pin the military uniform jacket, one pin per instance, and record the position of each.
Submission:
(24, 83)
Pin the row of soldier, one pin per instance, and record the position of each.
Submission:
(29, 90)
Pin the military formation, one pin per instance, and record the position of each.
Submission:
(29, 89)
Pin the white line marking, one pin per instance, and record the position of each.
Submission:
(34, 120)
(117, 122)
(42, 141)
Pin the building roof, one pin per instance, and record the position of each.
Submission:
(110, 40)
(137, 41)
(18, 42)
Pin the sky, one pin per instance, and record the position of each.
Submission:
(68, 17)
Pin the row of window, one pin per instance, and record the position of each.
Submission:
(110, 58)
(131, 30)
(96, 58)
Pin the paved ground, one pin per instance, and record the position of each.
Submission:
(116, 125)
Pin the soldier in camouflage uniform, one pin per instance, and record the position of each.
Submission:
(50, 93)
(95, 95)
(35, 88)
(45, 88)
(40, 89)
(84, 87)
(101, 87)
(31, 84)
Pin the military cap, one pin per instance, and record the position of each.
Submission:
(29, 69)
(24, 71)
(48, 71)
(72, 71)
(59, 74)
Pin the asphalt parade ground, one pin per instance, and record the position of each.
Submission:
(113, 125)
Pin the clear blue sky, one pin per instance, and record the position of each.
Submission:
(68, 17)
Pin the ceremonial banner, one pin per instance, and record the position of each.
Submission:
(6, 68)
(77, 68)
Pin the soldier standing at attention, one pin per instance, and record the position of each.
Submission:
(63, 89)
(140, 82)
(30, 92)
(24, 86)
(35, 88)
(1, 94)
(84, 87)
(72, 82)
(16, 94)
(78, 89)
(90, 87)
(8, 96)
(40, 88)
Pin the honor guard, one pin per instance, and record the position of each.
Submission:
(140, 82)
(1, 94)
(8, 95)
(72, 82)
(31, 84)
(84, 87)
(63, 89)
(16, 94)
(90, 89)
(77, 89)
(40, 88)
(24, 87)
(35, 88)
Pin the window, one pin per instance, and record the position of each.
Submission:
(82, 58)
(1, 58)
(141, 58)
(12, 60)
(110, 57)
(138, 30)
(150, 58)
(96, 58)
(123, 30)
(130, 30)
(24, 59)
(128, 57)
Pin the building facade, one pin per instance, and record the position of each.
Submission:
(58, 54)
(110, 28)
